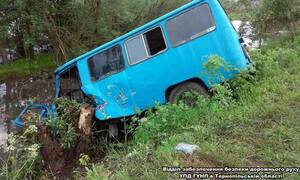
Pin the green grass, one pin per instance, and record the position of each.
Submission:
(235, 16)
(252, 121)
(25, 67)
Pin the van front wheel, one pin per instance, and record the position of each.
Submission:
(187, 92)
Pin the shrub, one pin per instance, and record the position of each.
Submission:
(65, 126)
(97, 172)
(23, 161)
(251, 120)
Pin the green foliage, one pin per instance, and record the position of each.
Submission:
(84, 160)
(251, 120)
(65, 126)
(97, 172)
(73, 26)
(68, 111)
(214, 67)
(20, 23)
(23, 159)
(23, 67)
(237, 10)
(65, 133)
(69, 138)
(214, 64)
(274, 15)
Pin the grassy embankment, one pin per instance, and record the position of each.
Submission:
(252, 121)
(25, 67)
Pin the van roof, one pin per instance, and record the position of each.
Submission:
(120, 38)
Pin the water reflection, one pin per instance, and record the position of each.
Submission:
(15, 94)
(2, 90)
(3, 126)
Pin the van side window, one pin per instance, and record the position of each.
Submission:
(155, 41)
(145, 45)
(190, 25)
(106, 63)
(136, 50)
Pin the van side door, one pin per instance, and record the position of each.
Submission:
(150, 69)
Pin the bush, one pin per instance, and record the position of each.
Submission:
(97, 172)
(251, 120)
(64, 127)
(23, 159)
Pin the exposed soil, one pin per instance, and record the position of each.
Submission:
(14, 95)
(58, 161)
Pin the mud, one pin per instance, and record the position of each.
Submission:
(14, 95)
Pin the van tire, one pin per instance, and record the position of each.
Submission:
(179, 91)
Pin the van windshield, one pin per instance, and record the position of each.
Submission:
(106, 63)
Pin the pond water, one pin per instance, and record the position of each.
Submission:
(15, 94)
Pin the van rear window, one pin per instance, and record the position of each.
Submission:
(106, 63)
(190, 25)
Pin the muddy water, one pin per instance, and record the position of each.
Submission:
(15, 94)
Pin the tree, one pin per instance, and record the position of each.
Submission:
(274, 15)
(73, 26)
(21, 25)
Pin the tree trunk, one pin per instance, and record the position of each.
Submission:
(59, 48)
(97, 12)
(29, 52)
(85, 123)
(19, 39)
(28, 30)
(291, 28)
(3, 55)
(20, 44)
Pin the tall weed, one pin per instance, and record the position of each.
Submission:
(251, 120)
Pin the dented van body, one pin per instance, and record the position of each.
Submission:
(139, 70)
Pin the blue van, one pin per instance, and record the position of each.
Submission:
(155, 63)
